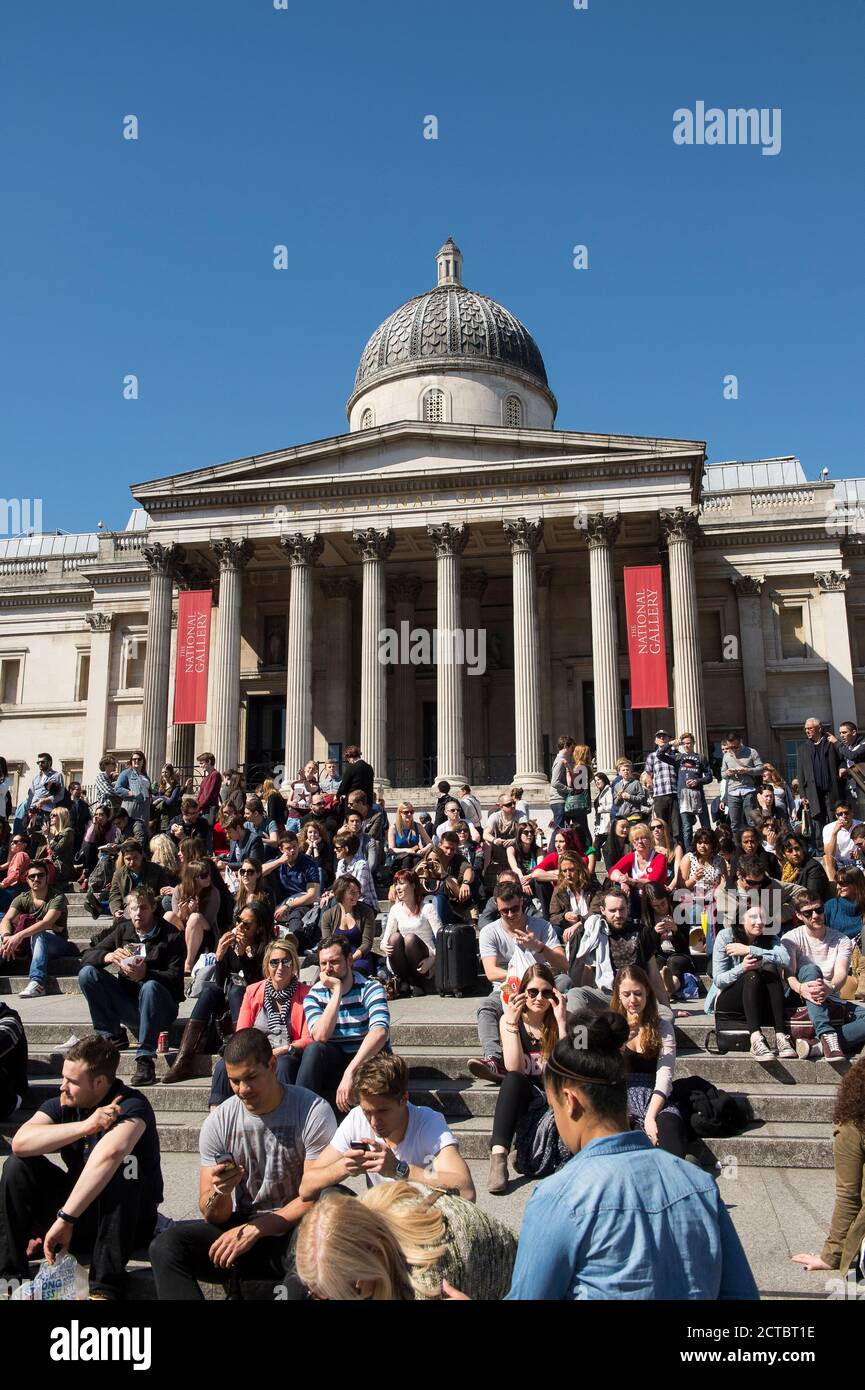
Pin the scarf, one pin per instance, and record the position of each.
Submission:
(276, 1005)
(789, 874)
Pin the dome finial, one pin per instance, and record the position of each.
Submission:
(450, 263)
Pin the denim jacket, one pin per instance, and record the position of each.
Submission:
(623, 1219)
(727, 969)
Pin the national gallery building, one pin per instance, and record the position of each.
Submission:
(451, 505)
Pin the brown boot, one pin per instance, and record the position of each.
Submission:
(184, 1063)
(497, 1183)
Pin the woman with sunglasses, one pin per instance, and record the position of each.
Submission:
(275, 1005)
(253, 887)
(644, 864)
(15, 869)
(748, 970)
(350, 918)
(36, 920)
(650, 1057)
(532, 1022)
(195, 909)
(523, 854)
(406, 838)
(59, 849)
(134, 786)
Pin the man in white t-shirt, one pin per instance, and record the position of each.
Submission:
(498, 942)
(387, 1139)
(838, 839)
(253, 1150)
(819, 966)
(453, 815)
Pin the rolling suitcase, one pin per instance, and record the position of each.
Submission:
(456, 968)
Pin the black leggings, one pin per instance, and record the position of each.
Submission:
(671, 1133)
(748, 995)
(514, 1099)
(406, 956)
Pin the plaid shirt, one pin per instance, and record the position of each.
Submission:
(665, 775)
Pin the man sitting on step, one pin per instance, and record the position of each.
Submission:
(349, 1020)
(148, 990)
(13, 1062)
(104, 1204)
(253, 1149)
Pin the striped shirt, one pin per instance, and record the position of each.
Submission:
(362, 1008)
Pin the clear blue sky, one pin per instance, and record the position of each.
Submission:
(304, 127)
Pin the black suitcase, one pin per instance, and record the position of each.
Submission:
(456, 960)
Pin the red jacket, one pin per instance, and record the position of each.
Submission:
(253, 1000)
(16, 870)
(208, 792)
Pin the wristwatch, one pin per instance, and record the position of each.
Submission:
(64, 1216)
(402, 1170)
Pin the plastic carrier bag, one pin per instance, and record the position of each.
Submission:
(63, 1282)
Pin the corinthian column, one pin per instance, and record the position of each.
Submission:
(373, 547)
(302, 551)
(836, 640)
(601, 533)
(97, 692)
(449, 543)
(524, 537)
(233, 556)
(403, 592)
(473, 587)
(681, 528)
(161, 561)
(753, 653)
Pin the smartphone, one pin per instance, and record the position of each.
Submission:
(363, 1144)
(225, 1160)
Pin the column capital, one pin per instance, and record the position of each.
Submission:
(522, 534)
(747, 585)
(448, 539)
(602, 529)
(163, 559)
(372, 544)
(832, 581)
(474, 583)
(302, 550)
(404, 588)
(232, 554)
(98, 622)
(338, 585)
(681, 524)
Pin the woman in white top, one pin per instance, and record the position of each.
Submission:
(408, 940)
(698, 877)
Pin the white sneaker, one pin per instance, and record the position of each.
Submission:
(760, 1049)
(807, 1051)
(784, 1045)
(33, 991)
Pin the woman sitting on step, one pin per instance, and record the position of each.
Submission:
(408, 940)
(275, 1005)
(239, 964)
(532, 1022)
(195, 909)
(650, 1056)
(349, 917)
(748, 978)
(843, 1247)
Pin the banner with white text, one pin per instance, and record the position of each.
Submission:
(193, 656)
(647, 648)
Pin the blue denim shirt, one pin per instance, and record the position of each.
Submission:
(623, 1219)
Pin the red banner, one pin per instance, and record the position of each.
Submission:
(193, 656)
(644, 607)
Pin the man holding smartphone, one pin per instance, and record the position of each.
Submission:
(253, 1150)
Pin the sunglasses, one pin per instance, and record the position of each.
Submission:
(510, 911)
(506, 805)
(810, 912)
(539, 993)
(34, 877)
(245, 873)
(280, 965)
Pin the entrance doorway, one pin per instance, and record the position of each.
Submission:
(632, 748)
(265, 739)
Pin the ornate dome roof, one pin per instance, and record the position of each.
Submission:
(447, 325)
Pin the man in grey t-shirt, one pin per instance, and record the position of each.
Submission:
(253, 1148)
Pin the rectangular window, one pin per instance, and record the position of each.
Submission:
(10, 674)
(791, 749)
(793, 643)
(82, 677)
(134, 653)
(711, 637)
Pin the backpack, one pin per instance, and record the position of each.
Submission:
(709, 1113)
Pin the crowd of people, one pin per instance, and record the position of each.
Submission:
(230, 895)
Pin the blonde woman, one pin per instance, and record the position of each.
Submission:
(60, 849)
(398, 1242)
(578, 802)
(406, 838)
(163, 851)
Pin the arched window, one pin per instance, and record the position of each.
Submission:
(434, 407)
(366, 419)
(513, 412)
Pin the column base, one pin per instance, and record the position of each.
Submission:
(456, 779)
(532, 783)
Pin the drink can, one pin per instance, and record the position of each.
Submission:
(162, 1042)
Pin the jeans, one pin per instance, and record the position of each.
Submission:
(588, 997)
(119, 1220)
(146, 1008)
(322, 1067)
(850, 1035)
(489, 1016)
(738, 808)
(307, 937)
(45, 946)
(557, 811)
(180, 1257)
(213, 1001)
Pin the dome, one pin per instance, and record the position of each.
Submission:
(450, 327)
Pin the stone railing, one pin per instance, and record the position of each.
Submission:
(784, 497)
(23, 566)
